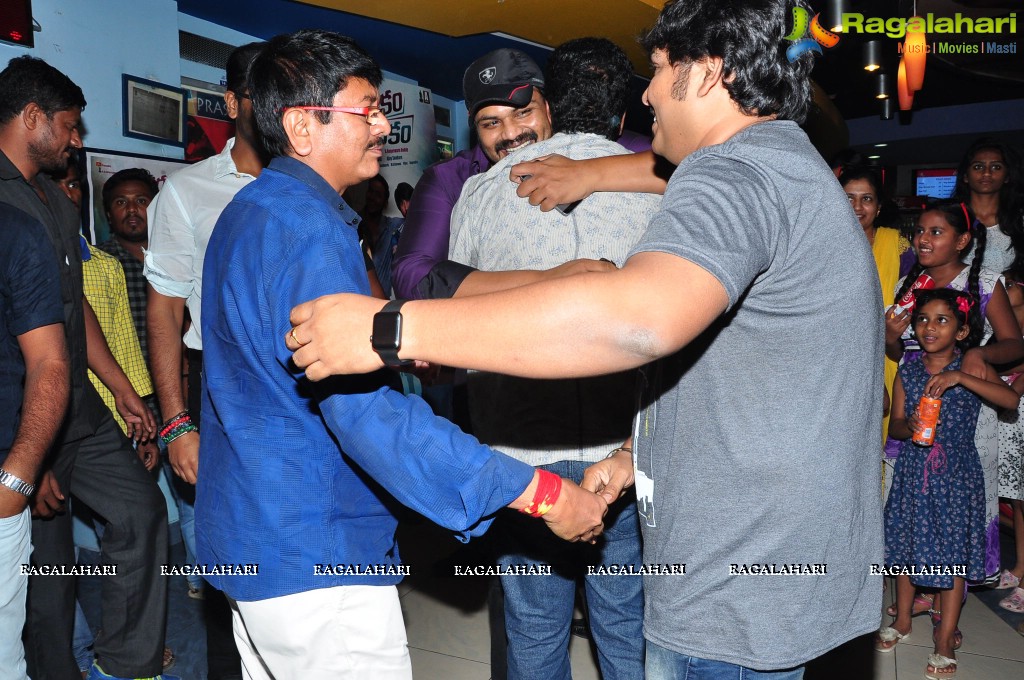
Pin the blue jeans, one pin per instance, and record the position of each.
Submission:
(664, 664)
(15, 547)
(184, 495)
(538, 609)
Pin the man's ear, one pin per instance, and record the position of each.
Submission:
(297, 128)
(32, 115)
(713, 68)
(231, 101)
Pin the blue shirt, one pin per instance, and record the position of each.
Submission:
(295, 474)
(29, 299)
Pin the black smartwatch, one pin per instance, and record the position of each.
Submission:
(387, 334)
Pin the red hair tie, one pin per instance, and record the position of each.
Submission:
(964, 304)
(963, 206)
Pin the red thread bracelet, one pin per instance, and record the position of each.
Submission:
(549, 487)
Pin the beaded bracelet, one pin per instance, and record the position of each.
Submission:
(549, 486)
(177, 426)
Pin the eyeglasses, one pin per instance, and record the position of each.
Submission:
(372, 114)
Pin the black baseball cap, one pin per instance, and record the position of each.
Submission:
(504, 76)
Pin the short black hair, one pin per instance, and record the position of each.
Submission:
(380, 178)
(403, 192)
(123, 176)
(305, 68)
(587, 83)
(28, 79)
(238, 65)
(747, 35)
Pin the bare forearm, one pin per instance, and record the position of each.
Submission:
(591, 324)
(894, 350)
(638, 172)
(1003, 352)
(481, 283)
(164, 319)
(996, 393)
(899, 429)
(44, 403)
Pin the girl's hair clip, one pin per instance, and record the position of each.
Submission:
(964, 304)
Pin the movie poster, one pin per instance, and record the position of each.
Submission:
(412, 145)
(209, 127)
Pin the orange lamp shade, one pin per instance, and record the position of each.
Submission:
(915, 53)
(906, 95)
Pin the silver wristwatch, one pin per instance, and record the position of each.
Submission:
(16, 485)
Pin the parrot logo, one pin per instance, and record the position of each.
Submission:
(819, 36)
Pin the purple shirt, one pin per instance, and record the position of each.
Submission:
(428, 223)
(424, 244)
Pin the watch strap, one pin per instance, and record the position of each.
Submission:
(16, 484)
(389, 355)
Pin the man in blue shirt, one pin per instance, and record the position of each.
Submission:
(298, 483)
(34, 375)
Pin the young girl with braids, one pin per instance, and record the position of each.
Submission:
(935, 515)
(943, 234)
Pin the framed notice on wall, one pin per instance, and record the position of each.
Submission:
(153, 111)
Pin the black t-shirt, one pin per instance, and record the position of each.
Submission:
(61, 221)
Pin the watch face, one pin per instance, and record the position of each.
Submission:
(387, 331)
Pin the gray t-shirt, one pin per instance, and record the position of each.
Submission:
(758, 443)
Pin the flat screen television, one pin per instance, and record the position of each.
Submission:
(935, 182)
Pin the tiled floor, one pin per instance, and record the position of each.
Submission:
(446, 619)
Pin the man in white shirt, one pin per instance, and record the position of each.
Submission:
(181, 220)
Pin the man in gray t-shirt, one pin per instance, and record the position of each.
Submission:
(754, 293)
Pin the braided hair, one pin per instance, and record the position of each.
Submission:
(964, 306)
(961, 218)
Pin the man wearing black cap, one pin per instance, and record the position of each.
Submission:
(504, 97)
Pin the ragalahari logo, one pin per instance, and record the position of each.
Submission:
(819, 36)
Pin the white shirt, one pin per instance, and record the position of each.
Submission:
(181, 219)
(546, 421)
(999, 251)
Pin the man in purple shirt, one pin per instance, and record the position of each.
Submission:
(503, 91)
(505, 99)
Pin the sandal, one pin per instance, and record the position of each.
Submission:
(939, 663)
(958, 637)
(1007, 580)
(887, 638)
(1015, 602)
(922, 605)
(168, 658)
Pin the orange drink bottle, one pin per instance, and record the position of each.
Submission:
(927, 421)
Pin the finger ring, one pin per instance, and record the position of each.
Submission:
(292, 333)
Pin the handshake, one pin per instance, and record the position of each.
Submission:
(578, 512)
